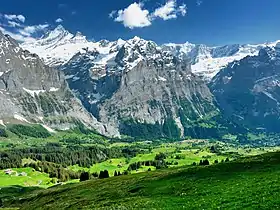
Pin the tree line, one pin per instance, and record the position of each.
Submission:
(84, 156)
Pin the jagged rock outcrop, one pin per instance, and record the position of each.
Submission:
(139, 89)
(31, 92)
(248, 91)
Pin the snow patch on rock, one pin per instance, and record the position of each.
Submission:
(34, 92)
(48, 128)
(20, 118)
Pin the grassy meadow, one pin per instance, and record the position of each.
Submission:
(247, 183)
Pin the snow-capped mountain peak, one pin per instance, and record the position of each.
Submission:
(55, 36)
(57, 47)
(79, 37)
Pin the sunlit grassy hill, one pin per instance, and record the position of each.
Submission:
(248, 183)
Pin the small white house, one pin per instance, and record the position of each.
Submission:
(8, 171)
(22, 174)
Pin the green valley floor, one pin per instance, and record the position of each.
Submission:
(247, 183)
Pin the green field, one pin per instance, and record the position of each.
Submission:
(250, 183)
(30, 178)
(184, 149)
(237, 184)
(189, 151)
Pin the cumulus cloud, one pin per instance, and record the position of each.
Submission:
(33, 29)
(167, 11)
(14, 25)
(112, 14)
(136, 16)
(17, 36)
(183, 9)
(58, 20)
(20, 18)
(170, 10)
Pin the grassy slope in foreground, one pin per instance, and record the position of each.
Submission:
(248, 183)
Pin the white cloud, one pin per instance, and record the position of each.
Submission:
(37, 28)
(167, 11)
(24, 33)
(112, 14)
(13, 24)
(134, 16)
(58, 20)
(170, 10)
(20, 18)
(199, 2)
(17, 36)
(183, 9)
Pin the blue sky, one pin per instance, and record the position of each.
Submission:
(212, 22)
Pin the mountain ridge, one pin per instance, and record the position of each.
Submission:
(139, 85)
(248, 90)
(31, 92)
(136, 86)
(206, 61)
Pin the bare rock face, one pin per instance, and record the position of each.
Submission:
(141, 89)
(248, 91)
(31, 92)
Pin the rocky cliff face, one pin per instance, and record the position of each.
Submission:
(248, 91)
(208, 61)
(139, 89)
(137, 86)
(31, 92)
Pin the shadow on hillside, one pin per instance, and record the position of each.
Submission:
(10, 193)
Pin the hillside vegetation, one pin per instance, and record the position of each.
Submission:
(247, 183)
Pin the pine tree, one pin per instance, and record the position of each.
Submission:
(84, 176)
(106, 174)
(101, 175)
(206, 162)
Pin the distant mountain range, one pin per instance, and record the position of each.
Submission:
(57, 47)
(138, 88)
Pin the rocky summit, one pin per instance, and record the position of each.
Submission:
(248, 90)
(140, 86)
(31, 92)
